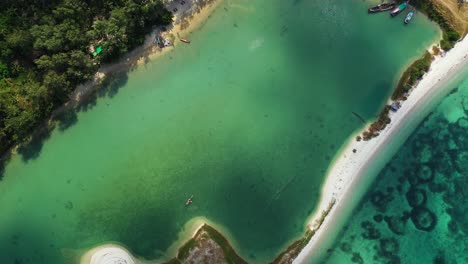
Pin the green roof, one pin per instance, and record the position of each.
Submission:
(97, 51)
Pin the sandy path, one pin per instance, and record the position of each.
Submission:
(351, 173)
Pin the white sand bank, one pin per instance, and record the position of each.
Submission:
(108, 254)
(351, 173)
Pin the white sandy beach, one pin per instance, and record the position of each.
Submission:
(108, 254)
(351, 173)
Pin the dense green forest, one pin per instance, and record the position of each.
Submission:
(45, 52)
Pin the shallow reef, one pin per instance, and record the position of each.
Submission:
(415, 212)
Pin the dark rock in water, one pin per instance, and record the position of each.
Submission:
(416, 197)
(425, 174)
(413, 180)
(378, 218)
(370, 232)
(345, 247)
(380, 200)
(388, 247)
(440, 258)
(357, 258)
(423, 218)
(396, 224)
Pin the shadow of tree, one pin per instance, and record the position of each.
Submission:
(67, 119)
(32, 149)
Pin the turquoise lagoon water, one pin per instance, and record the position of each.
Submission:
(416, 211)
(246, 118)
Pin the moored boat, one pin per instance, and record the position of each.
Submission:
(185, 40)
(399, 9)
(409, 16)
(158, 42)
(381, 7)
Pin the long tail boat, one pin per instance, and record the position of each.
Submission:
(185, 40)
(381, 8)
(399, 9)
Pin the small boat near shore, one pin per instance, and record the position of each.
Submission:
(189, 201)
(409, 16)
(185, 40)
(381, 8)
(399, 9)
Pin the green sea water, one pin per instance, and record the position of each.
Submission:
(416, 211)
(246, 118)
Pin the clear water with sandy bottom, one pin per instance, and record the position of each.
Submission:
(246, 118)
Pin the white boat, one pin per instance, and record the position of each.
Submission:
(409, 16)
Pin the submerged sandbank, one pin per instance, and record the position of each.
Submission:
(359, 162)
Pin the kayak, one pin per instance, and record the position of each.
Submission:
(185, 40)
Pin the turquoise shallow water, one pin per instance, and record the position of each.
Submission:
(246, 118)
(416, 211)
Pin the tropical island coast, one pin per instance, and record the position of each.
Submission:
(62, 94)
(350, 171)
(352, 168)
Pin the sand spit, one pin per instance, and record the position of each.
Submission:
(358, 162)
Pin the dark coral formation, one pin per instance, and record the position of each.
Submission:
(345, 247)
(396, 223)
(370, 232)
(416, 197)
(425, 174)
(423, 218)
(388, 247)
(380, 200)
(357, 258)
(378, 218)
(426, 181)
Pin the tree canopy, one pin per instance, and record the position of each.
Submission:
(44, 52)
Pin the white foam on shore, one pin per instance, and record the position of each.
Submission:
(352, 173)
